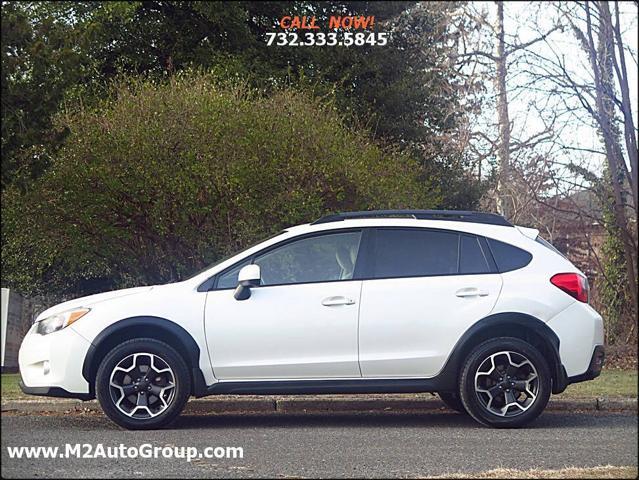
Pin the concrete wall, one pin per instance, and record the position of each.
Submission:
(17, 317)
(4, 313)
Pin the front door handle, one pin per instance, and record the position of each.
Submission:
(471, 292)
(334, 301)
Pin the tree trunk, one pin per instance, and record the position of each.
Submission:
(504, 202)
(626, 105)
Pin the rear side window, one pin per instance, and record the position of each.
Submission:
(415, 253)
(472, 259)
(508, 257)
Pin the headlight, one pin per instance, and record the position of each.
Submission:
(60, 320)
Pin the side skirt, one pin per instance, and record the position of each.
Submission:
(295, 387)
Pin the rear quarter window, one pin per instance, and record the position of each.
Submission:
(508, 257)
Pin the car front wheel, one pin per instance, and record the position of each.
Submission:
(143, 384)
(505, 383)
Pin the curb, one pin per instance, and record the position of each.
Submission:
(330, 404)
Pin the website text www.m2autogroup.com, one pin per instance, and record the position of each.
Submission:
(146, 450)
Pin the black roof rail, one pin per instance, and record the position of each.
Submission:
(450, 215)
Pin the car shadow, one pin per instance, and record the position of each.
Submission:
(322, 420)
(551, 420)
(443, 419)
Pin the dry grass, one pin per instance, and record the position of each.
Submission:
(607, 471)
(10, 389)
(611, 383)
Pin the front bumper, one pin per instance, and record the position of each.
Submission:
(53, 392)
(51, 364)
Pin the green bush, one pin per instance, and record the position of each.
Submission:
(162, 178)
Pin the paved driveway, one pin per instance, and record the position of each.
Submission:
(382, 445)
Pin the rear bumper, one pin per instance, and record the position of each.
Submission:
(594, 369)
(579, 329)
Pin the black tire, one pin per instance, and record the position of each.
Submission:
(178, 397)
(478, 405)
(452, 401)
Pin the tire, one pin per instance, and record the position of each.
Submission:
(452, 401)
(514, 387)
(151, 402)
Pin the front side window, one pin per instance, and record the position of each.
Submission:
(323, 258)
(229, 278)
(415, 253)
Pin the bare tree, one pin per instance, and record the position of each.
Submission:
(548, 167)
(497, 58)
(618, 59)
(602, 56)
(595, 100)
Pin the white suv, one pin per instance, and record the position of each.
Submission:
(465, 304)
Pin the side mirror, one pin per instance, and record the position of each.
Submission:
(249, 276)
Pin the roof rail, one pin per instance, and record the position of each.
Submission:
(450, 215)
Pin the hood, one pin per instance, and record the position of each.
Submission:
(90, 300)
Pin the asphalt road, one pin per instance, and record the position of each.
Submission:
(407, 445)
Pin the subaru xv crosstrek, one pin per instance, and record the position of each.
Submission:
(488, 315)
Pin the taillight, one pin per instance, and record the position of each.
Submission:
(573, 284)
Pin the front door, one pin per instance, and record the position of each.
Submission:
(300, 323)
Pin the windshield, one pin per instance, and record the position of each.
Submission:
(224, 259)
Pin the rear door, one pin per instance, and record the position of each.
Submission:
(426, 287)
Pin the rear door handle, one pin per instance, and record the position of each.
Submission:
(335, 301)
(471, 292)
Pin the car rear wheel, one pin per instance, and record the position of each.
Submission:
(143, 384)
(505, 383)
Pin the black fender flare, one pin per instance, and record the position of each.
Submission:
(189, 347)
(449, 373)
